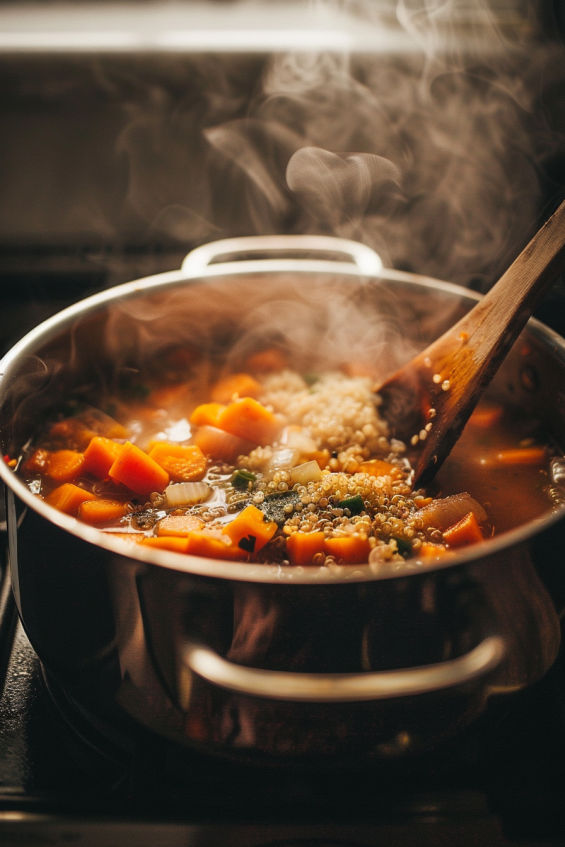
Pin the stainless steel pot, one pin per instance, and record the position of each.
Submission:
(267, 662)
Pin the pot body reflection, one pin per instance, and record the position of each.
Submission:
(260, 662)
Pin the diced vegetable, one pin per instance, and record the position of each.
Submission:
(464, 532)
(179, 524)
(64, 465)
(242, 479)
(447, 511)
(305, 473)
(99, 512)
(274, 505)
(76, 432)
(248, 419)
(213, 544)
(377, 467)
(183, 463)
(68, 498)
(138, 471)
(303, 546)
(350, 549)
(249, 530)
(235, 385)
(428, 550)
(354, 505)
(100, 455)
(177, 544)
(207, 414)
(219, 444)
(186, 493)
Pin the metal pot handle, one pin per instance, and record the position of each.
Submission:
(313, 687)
(367, 261)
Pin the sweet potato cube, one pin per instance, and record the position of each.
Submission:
(98, 512)
(464, 532)
(64, 465)
(303, 546)
(68, 498)
(233, 386)
(138, 471)
(177, 544)
(206, 543)
(207, 414)
(182, 463)
(349, 549)
(378, 467)
(248, 419)
(250, 531)
(100, 455)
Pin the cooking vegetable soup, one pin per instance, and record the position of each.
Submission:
(271, 465)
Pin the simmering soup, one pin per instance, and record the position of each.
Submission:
(271, 465)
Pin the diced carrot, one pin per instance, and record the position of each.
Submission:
(65, 465)
(235, 385)
(378, 467)
(177, 544)
(204, 542)
(522, 456)
(464, 532)
(101, 511)
(37, 463)
(220, 444)
(486, 416)
(76, 432)
(179, 524)
(303, 546)
(249, 530)
(68, 498)
(183, 463)
(248, 419)
(269, 360)
(322, 457)
(207, 414)
(349, 549)
(138, 471)
(100, 455)
(429, 550)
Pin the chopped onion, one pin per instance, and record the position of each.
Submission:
(447, 511)
(186, 493)
(307, 472)
(283, 457)
(220, 444)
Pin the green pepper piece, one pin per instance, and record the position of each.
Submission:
(355, 504)
(241, 479)
(404, 546)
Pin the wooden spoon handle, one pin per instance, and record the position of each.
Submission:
(428, 401)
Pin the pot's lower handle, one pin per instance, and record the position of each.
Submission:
(313, 687)
(366, 260)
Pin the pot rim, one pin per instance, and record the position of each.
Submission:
(241, 571)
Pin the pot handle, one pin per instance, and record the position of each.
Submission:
(367, 261)
(344, 687)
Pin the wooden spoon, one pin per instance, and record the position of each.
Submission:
(428, 401)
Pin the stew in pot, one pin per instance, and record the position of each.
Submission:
(270, 465)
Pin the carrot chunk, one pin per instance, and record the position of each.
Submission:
(101, 511)
(68, 498)
(100, 455)
(249, 530)
(138, 471)
(207, 543)
(248, 419)
(464, 532)
(64, 465)
(377, 467)
(303, 546)
(348, 549)
(429, 550)
(235, 385)
(522, 456)
(182, 463)
(179, 525)
(207, 414)
(177, 544)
